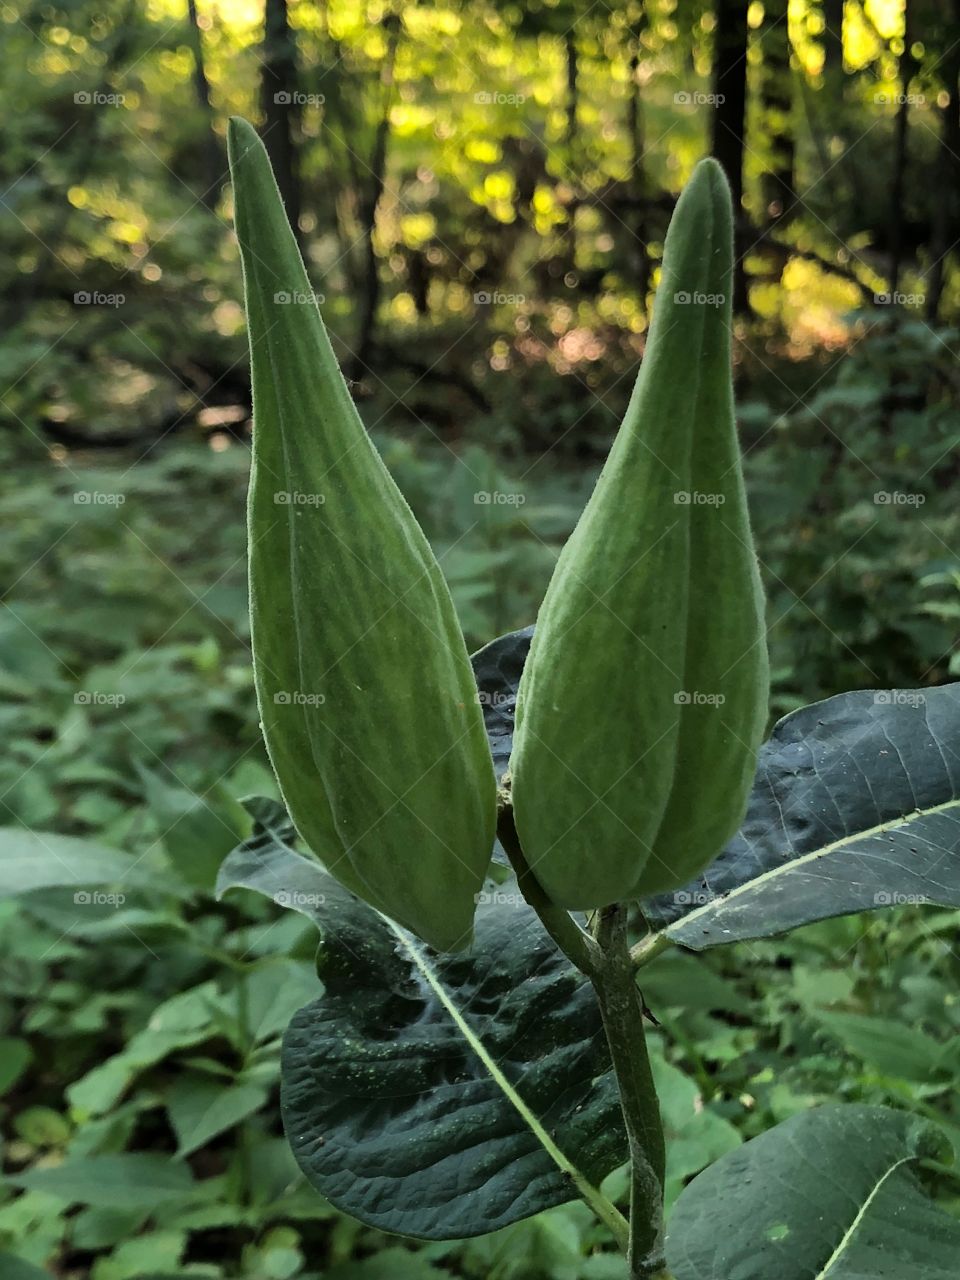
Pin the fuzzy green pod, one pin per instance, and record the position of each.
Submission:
(367, 700)
(644, 697)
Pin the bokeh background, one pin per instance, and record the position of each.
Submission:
(481, 192)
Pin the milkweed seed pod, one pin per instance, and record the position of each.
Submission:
(367, 700)
(644, 696)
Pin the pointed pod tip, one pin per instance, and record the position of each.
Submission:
(701, 226)
(709, 179)
(712, 168)
(700, 236)
(241, 135)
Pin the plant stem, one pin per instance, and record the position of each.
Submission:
(607, 961)
(622, 1015)
(576, 944)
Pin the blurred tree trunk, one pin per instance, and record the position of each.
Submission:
(729, 117)
(344, 145)
(637, 179)
(908, 67)
(571, 139)
(833, 41)
(79, 156)
(212, 152)
(946, 223)
(825, 110)
(779, 189)
(370, 202)
(280, 104)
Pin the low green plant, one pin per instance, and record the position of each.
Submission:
(437, 1092)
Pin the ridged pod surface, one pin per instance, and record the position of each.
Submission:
(367, 700)
(644, 696)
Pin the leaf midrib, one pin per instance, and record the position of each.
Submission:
(603, 1208)
(823, 1273)
(822, 852)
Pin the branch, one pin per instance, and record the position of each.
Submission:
(783, 250)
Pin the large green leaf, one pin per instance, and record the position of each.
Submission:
(434, 1095)
(201, 1109)
(121, 1181)
(497, 668)
(31, 860)
(696, 1135)
(15, 1056)
(197, 831)
(180, 1022)
(830, 1194)
(12, 1268)
(894, 1048)
(855, 806)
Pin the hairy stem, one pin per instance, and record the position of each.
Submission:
(576, 944)
(622, 1014)
(605, 958)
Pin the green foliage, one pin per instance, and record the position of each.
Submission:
(519, 231)
(156, 601)
(145, 1025)
(140, 1022)
(853, 808)
(857, 538)
(699, 601)
(727, 1222)
(459, 1156)
(366, 966)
